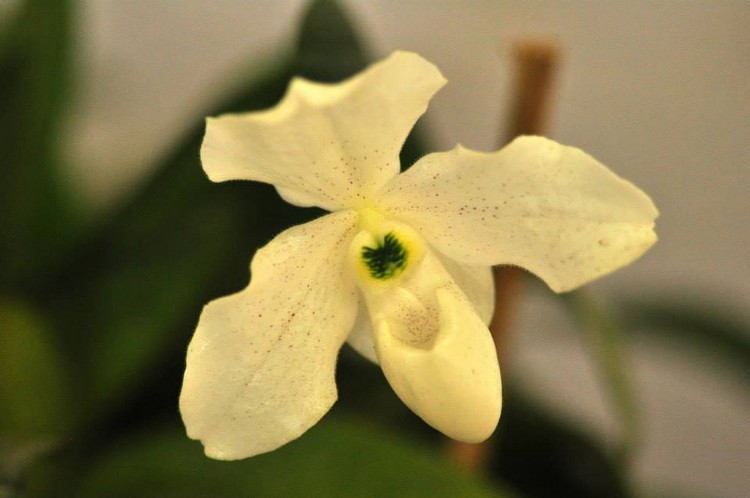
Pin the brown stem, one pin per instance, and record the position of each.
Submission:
(535, 63)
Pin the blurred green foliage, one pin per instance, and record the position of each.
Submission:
(30, 364)
(339, 457)
(95, 319)
(35, 215)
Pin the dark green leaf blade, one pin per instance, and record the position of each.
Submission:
(338, 458)
(328, 47)
(132, 291)
(36, 214)
(709, 327)
(540, 454)
(36, 391)
(129, 296)
(607, 348)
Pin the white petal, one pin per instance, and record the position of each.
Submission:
(551, 209)
(260, 367)
(330, 145)
(436, 351)
(477, 283)
(361, 337)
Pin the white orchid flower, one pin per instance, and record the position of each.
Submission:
(400, 268)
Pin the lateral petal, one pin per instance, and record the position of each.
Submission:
(260, 367)
(477, 283)
(329, 145)
(551, 209)
(361, 337)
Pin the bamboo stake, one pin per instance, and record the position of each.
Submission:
(535, 63)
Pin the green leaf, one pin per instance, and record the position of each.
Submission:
(132, 292)
(540, 454)
(35, 212)
(711, 328)
(328, 47)
(36, 397)
(130, 295)
(607, 347)
(338, 457)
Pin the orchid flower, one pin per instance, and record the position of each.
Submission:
(401, 267)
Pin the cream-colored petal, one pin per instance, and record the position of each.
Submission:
(260, 367)
(361, 337)
(551, 209)
(436, 351)
(477, 284)
(329, 145)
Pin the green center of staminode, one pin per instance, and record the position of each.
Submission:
(386, 260)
